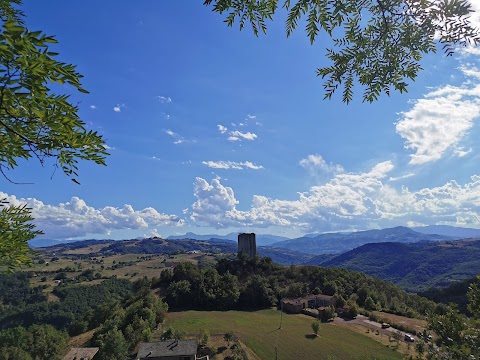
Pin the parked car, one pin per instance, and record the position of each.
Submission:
(409, 338)
(385, 325)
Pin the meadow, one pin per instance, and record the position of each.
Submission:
(259, 330)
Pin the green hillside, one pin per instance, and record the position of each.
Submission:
(259, 331)
(414, 267)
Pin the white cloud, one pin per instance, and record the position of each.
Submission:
(164, 99)
(118, 108)
(461, 152)
(166, 116)
(213, 202)
(238, 136)
(222, 129)
(153, 233)
(316, 165)
(155, 158)
(177, 139)
(438, 122)
(349, 201)
(401, 177)
(108, 147)
(75, 218)
(93, 107)
(251, 117)
(232, 165)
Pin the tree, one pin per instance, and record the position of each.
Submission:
(228, 337)
(113, 345)
(376, 43)
(35, 121)
(316, 327)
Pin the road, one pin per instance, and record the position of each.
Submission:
(369, 324)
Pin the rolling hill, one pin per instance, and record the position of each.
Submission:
(414, 267)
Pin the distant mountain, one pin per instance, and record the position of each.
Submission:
(414, 267)
(262, 239)
(283, 256)
(452, 231)
(37, 243)
(335, 243)
(171, 247)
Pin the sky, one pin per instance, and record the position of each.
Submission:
(212, 130)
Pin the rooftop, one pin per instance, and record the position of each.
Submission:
(167, 348)
(81, 353)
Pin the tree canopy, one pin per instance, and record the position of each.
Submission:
(377, 44)
(37, 120)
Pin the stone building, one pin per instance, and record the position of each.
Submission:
(247, 244)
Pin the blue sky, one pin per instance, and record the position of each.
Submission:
(213, 130)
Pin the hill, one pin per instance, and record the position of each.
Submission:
(414, 267)
(170, 247)
(335, 243)
(453, 231)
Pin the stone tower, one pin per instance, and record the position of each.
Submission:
(247, 244)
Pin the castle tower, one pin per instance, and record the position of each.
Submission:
(247, 244)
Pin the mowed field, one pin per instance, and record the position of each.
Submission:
(259, 330)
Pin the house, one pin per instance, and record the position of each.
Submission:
(81, 353)
(168, 350)
(295, 306)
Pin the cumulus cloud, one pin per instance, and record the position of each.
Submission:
(164, 99)
(222, 129)
(93, 107)
(438, 122)
(316, 165)
(75, 218)
(238, 136)
(232, 165)
(349, 201)
(213, 202)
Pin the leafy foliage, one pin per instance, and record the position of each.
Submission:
(35, 121)
(458, 337)
(77, 304)
(39, 342)
(15, 230)
(259, 283)
(376, 43)
(316, 327)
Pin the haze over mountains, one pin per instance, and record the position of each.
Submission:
(335, 243)
(328, 243)
(262, 239)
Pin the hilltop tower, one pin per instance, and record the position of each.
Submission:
(247, 244)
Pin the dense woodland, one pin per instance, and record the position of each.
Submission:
(123, 313)
(243, 283)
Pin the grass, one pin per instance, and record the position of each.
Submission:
(416, 324)
(259, 330)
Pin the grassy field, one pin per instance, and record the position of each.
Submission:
(259, 330)
(139, 267)
(417, 324)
